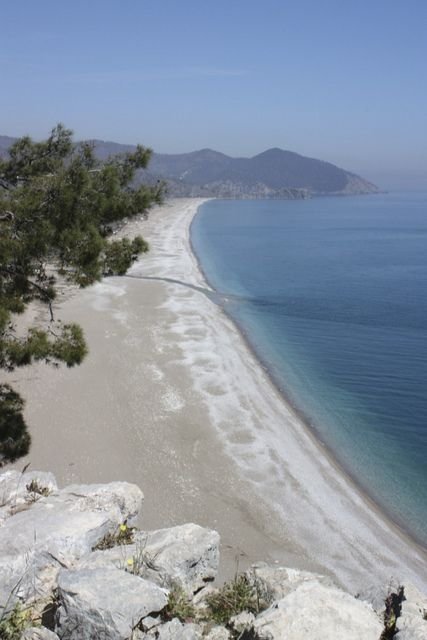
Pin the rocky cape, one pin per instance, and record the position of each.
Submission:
(72, 566)
(275, 173)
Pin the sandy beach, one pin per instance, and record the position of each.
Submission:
(171, 398)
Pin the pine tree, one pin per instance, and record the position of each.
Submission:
(58, 207)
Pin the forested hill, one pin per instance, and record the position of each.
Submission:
(272, 174)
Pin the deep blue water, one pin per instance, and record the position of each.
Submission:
(332, 295)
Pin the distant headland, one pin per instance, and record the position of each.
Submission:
(275, 173)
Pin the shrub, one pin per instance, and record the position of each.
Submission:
(233, 598)
(37, 491)
(14, 622)
(179, 606)
(141, 561)
(123, 535)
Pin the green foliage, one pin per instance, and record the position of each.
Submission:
(141, 560)
(58, 205)
(120, 253)
(392, 611)
(179, 606)
(234, 597)
(37, 490)
(123, 535)
(14, 623)
(14, 438)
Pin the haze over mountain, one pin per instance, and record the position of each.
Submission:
(275, 173)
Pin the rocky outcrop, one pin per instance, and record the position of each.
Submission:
(314, 610)
(412, 622)
(186, 556)
(38, 633)
(73, 567)
(44, 530)
(104, 603)
(410, 616)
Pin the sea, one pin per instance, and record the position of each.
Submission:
(331, 294)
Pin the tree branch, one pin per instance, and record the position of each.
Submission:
(7, 215)
(42, 290)
(46, 296)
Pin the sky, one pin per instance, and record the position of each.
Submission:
(342, 81)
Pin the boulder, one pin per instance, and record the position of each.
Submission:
(38, 633)
(55, 531)
(242, 621)
(17, 489)
(104, 603)
(176, 630)
(186, 555)
(377, 594)
(314, 610)
(274, 583)
(218, 633)
(412, 622)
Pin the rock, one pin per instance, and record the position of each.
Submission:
(15, 489)
(242, 621)
(121, 498)
(314, 610)
(150, 622)
(57, 530)
(187, 555)
(376, 595)
(412, 622)
(274, 583)
(39, 633)
(106, 603)
(176, 630)
(199, 600)
(218, 633)
(173, 630)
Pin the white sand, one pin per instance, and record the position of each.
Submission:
(171, 398)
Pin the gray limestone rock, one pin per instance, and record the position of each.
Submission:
(274, 583)
(18, 490)
(104, 603)
(150, 622)
(412, 622)
(376, 595)
(242, 621)
(218, 633)
(38, 633)
(187, 555)
(314, 610)
(55, 531)
(175, 630)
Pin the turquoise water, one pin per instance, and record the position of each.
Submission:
(332, 295)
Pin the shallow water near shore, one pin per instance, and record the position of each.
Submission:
(332, 295)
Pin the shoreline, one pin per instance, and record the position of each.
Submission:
(385, 521)
(308, 425)
(175, 401)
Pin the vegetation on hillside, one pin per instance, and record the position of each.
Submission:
(58, 207)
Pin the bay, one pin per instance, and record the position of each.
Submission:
(331, 293)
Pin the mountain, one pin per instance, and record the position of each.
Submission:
(5, 143)
(275, 173)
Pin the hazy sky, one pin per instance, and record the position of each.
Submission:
(343, 81)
